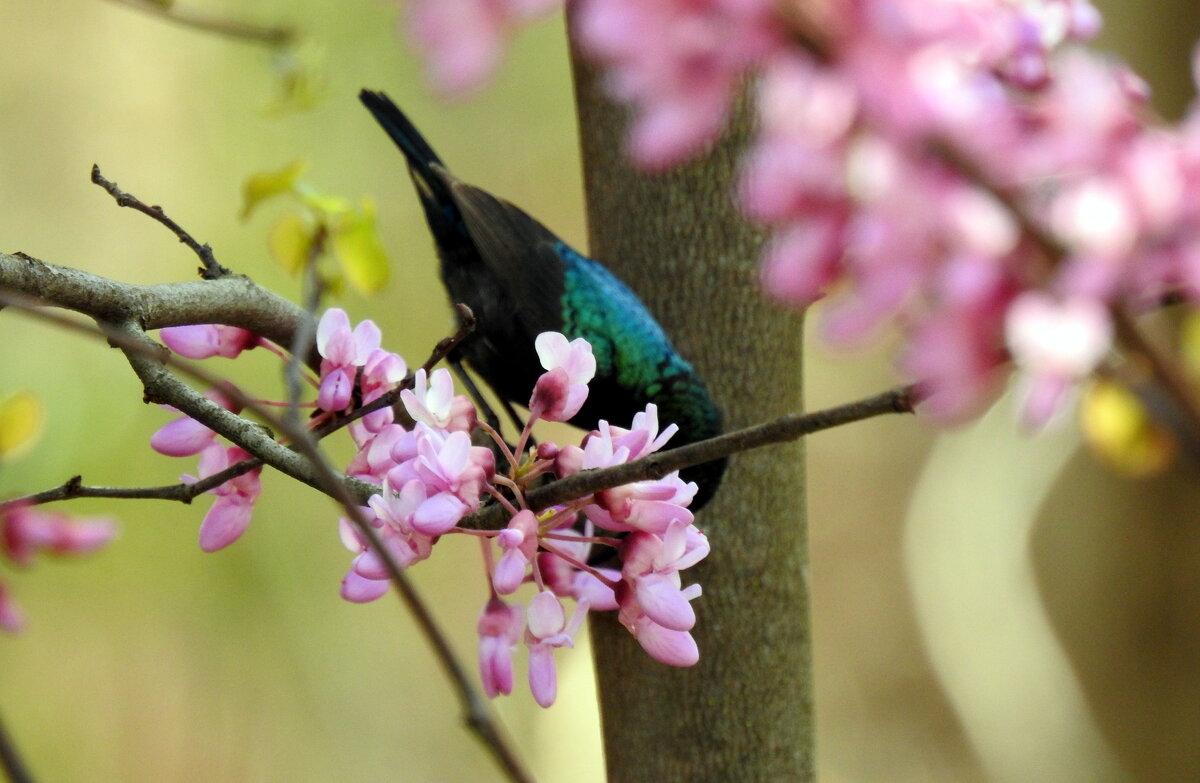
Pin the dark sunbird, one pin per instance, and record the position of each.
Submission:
(520, 280)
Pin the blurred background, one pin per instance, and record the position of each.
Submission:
(986, 607)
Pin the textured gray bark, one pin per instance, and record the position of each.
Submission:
(744, 713)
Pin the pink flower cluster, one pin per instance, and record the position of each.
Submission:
(26, 532)
(228, 516)
(964, 171)
(431, 476)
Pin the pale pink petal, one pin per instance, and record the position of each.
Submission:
(664, 603)
(198, 341)
(336, 391)
(359, 590)
(545, 616)
(333, 321)
(438, 514)
(224, 523)
(674, 648)
(543, 678)
(182, 437)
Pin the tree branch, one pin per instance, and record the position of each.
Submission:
(791, 427)
(234, 300)
(209, 268)
(229, 28)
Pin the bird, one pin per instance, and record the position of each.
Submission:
(520, 279)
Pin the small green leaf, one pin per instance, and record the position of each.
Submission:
(291, 241)
(268, 184)
(357, 247)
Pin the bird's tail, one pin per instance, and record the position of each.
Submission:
(417, 151)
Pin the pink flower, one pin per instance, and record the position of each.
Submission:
(12, 619)
(568, 581)
(395, 512)
(453, 470)
(343, 352)
(435, 403)
(381, 372)
(185, 436)
(678, 62)
(499, 628)
(1056, 344)
(644, 505)
(200, 341)
(651, 570)
(26, 531)
(229, 515)
(463, 40)
(562, 390)
(358, 589)
(547, 628)
(520, 543)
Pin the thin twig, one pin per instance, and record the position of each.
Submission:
(10, 760)
(209, 270)
(306, 335)
(228, 28)
(144, 355)
(478, 716)
(786, 428)
(150, 361)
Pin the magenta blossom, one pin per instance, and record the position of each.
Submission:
(343, 351)
(381, 372)
(562, 390)
(201, 341)
(12, 619)
(547, 628)
(520, 543)
(434, 403)
(499, 628)
(185, 436)
(26, 531)
(230, 513)
(463, 40)
(1055, 344)
(651, 569)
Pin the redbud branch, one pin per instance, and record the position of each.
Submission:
(272, 36)
(149, 361)
(209, 270)
(477, 714)
(184, 493)
(233, 300)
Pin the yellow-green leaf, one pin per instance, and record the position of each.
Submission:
(1121, 433)
(268, 184)
(328, 207)
(357, 248)
(291, 241)
(21, 420)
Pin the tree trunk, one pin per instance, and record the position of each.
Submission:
(744, 712)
